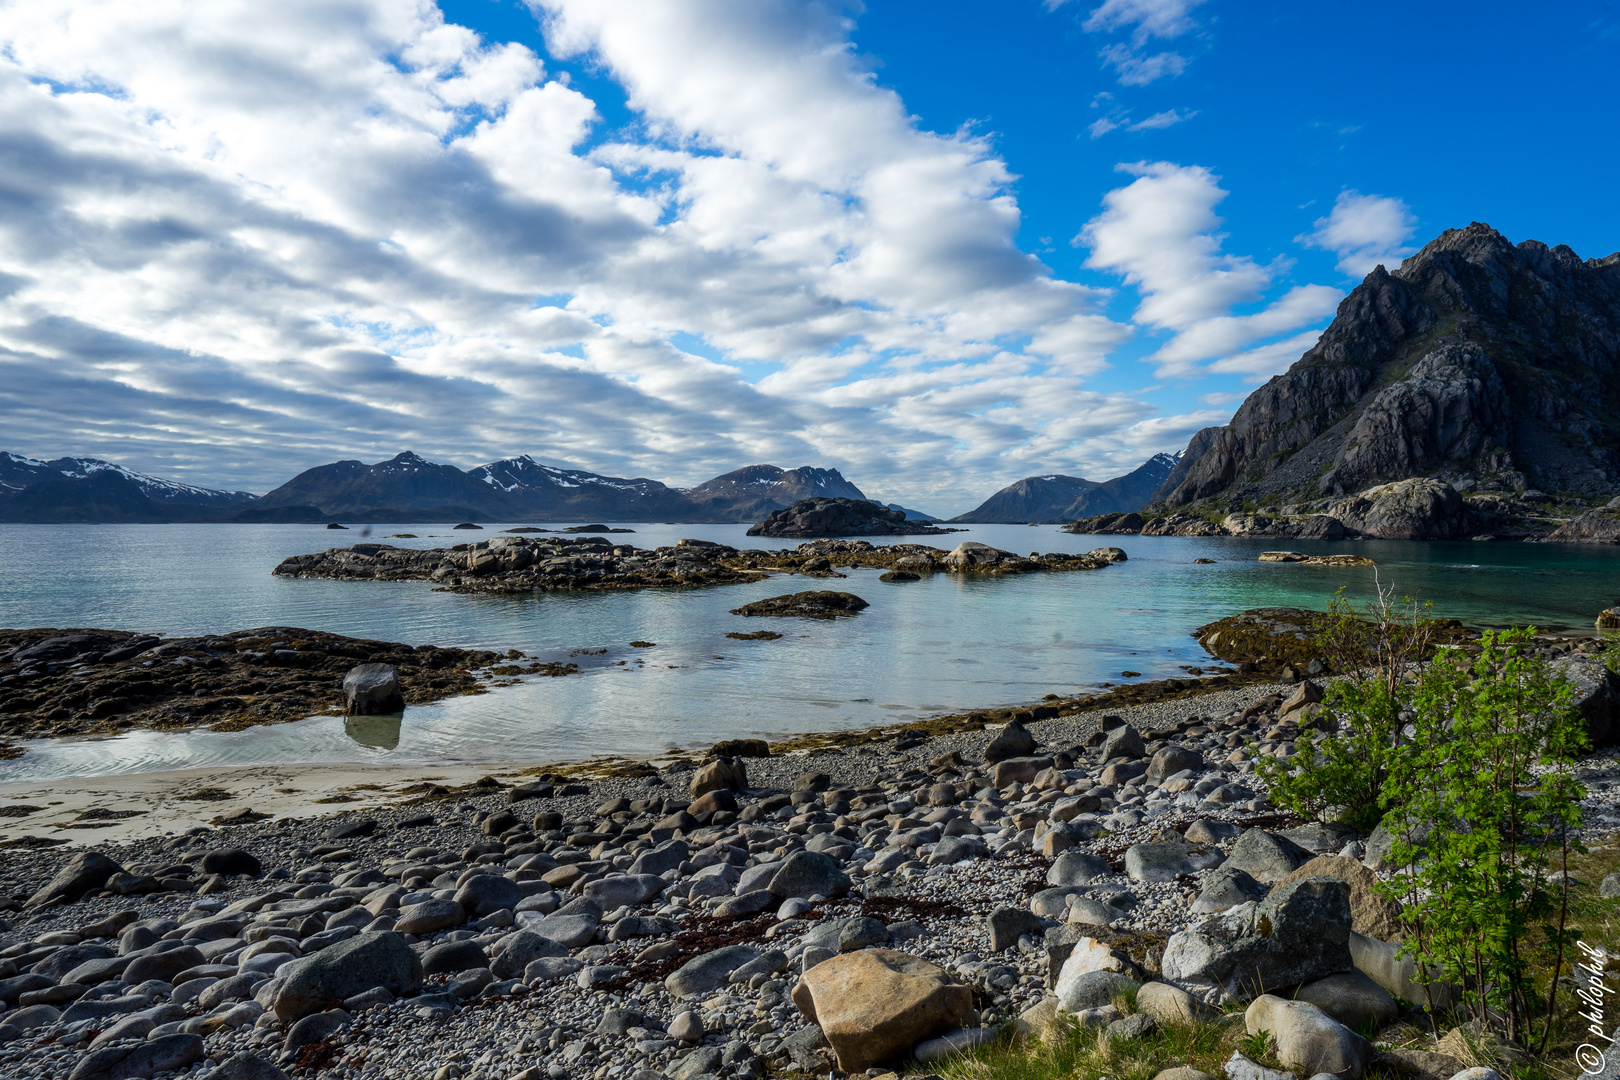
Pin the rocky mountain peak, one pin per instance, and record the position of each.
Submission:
(1478, 362)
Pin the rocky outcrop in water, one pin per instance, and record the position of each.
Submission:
(1477, 364)
(76, 682)
(841, 517)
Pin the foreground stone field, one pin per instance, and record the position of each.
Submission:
(910, 896)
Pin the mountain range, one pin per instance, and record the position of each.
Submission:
(407, 487)
(1066, 498)
(1488, 367)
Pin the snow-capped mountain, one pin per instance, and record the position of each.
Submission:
(18, 472)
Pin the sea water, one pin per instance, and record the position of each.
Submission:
(945, 643)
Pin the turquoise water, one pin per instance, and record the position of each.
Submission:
(945, 643)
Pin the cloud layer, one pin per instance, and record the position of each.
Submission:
(239, 239)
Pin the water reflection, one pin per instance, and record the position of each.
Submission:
(377, 732)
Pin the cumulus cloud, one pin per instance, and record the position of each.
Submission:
(226, 255)
(1364, 231)
(1160, 233)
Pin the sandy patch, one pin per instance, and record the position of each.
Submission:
(100, 808)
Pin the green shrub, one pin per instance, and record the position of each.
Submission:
(1487, 778)
(1343, 773)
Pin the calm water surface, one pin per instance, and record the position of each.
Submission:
(940, 644)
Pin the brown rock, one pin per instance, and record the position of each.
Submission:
(721, 774)
(877, 1003)
(1370, 914)
(1306, 693)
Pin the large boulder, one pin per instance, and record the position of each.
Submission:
(1370, 913)
(876, 1004)
(1414, 509)
(381, 958)
(372, 690)
(522, 949)
(1012, 741)
(230, 862)
(1123, 742)
(1168, 860)
(484, 894)
(1299, 933)
(971, 553)
(1171, 760)
(708, 972)
(429, 917)
(1309, 1039)
(86, 872)
(1226, 888)
(1381, 962)
(166, 1053)
(721, 774)
(1353, 999)
(1265, 856)
(1077, 868)
(808, 873)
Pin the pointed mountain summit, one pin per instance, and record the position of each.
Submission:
(1065, 498)
(1490, 367)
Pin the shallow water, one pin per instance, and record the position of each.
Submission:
(944, 643)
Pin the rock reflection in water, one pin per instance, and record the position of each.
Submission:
(377, 732)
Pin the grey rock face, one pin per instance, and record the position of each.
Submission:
(377, 959)
(372, 690)
(1299, 933)
(1484, 376)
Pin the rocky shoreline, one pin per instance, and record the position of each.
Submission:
(528, 564)
(914, 895)
(1414, 509)
(56, 683)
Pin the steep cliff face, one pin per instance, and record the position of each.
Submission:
(1482, 364)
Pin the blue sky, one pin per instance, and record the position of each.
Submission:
(939, 246)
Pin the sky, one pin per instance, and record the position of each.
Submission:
(937, 244)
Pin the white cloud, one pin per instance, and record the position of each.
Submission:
(1168, 118)
(226, 255)
(1258, 365)
(1102, 126)
(1146, 19)
(1138, 69)
(1364, 231)
(1214, 400)
(1160, 233)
